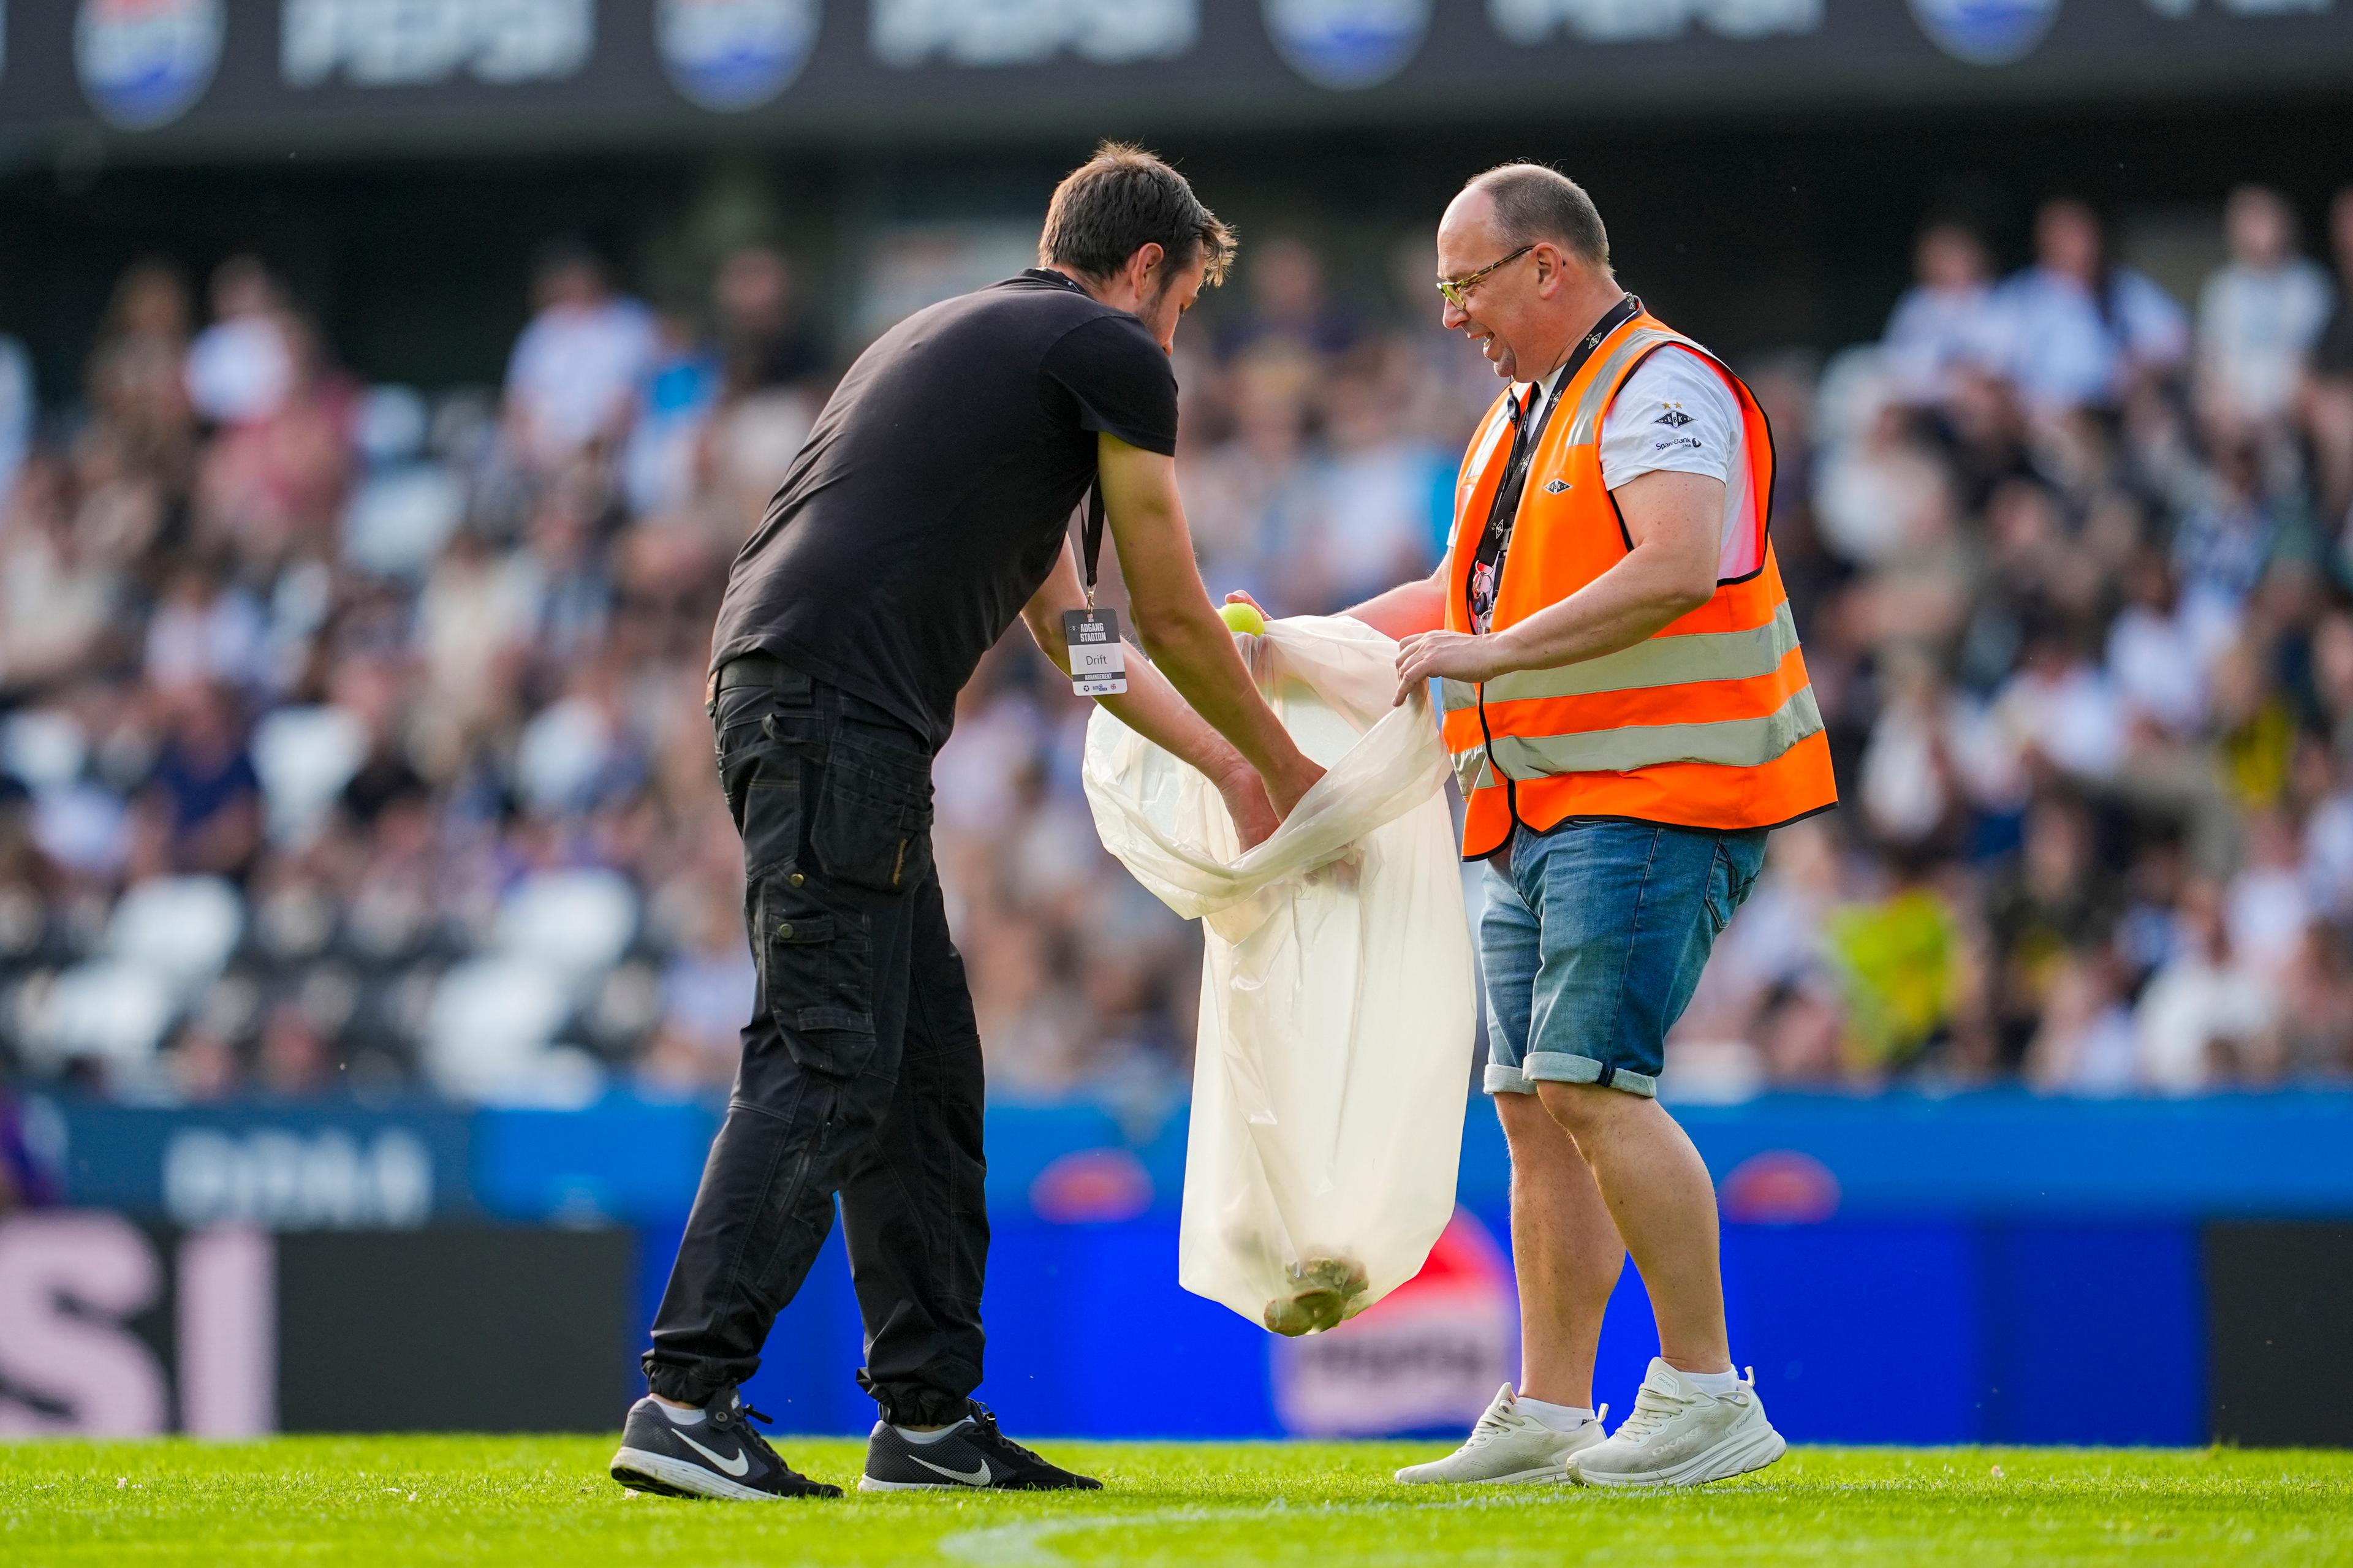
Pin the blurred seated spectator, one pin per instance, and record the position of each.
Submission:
(2085, 1041)
(2328, 390)
(273, 485)
(2204, 1017)
(573, 380)
(1943, 327)
(765, 340)
(58, 604)
(18, 413)
(1899, 959)
(1287, 304)
(241, 368)
(203, 786)
(2078, 329)
(135, 380)
(2259, 316)
(665, 444)
(2316, 1007)
(202, 630)
(706, 993)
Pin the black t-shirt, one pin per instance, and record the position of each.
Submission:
(935, 493)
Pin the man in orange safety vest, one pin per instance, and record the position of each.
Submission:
(1628, 714)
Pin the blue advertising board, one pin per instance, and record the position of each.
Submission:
(1972, 1245)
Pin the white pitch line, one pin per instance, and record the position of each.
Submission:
(1023, 1544)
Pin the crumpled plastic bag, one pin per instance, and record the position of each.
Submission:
(1337, 994)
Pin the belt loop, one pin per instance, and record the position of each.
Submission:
(1608, 1072)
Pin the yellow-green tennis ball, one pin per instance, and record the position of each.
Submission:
(1244, 619)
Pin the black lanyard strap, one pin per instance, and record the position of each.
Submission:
(1529, 423)
(1092, 536)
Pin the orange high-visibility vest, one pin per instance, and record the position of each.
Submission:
(1709, 723)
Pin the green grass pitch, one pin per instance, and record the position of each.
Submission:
(532, 1501)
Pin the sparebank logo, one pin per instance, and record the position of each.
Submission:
(1348, 43)
(734, 55)
(143, 62)
(1985, 32)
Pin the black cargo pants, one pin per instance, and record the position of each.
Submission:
(860, 1074)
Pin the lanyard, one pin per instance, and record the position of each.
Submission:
(1528, 425)
(1091, 545)
(1527, 429)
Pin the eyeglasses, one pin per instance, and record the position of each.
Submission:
(1455, 290)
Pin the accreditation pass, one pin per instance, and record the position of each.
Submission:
(1098, 658)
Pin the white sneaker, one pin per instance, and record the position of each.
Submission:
(1508, 1444)
(1679, 1436)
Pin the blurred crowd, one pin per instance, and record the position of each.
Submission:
(2073, 563)
(351, 738)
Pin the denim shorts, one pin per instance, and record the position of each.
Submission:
(1594, 941)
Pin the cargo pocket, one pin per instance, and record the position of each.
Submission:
(873, 825)
(817, 971)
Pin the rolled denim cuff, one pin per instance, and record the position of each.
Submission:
(1503, 1078)
(1559, 1067)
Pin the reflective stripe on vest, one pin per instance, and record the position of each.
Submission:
(1656, 661)
(1728, 742)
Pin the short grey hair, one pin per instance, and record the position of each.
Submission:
(1534, 203)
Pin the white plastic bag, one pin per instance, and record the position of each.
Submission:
(1336, 994)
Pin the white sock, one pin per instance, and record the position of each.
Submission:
(914, 1436)
(1557, 1418)
(1718, 1383)
(682, 1417)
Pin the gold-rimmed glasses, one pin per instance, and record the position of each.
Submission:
(1457, 290)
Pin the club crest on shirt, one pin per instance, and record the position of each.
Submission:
(1675, 415)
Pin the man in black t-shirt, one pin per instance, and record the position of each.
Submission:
(928, 510)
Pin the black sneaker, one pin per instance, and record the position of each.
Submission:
(719, 1456)
(973, 1453)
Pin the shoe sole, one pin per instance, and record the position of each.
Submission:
(1736, 1456)
(869, 1484)
(665, 1476)
(1552, 1474)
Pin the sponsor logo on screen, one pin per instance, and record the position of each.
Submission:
(370, 44)
(1426, 1357)
(1985, 32)
(909, 33)
(1348, 43)
(1633, 21)
(728, 56)
(143, 62)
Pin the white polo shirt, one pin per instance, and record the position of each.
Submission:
(1675, 413)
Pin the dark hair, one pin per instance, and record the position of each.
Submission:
(1534, 203)
(564, 253)
(1118, 201)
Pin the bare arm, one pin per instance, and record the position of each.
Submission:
(1177, 625)
(1409, 608)
(1152, 709)
(1675, 522)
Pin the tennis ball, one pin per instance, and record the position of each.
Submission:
(1244, 619)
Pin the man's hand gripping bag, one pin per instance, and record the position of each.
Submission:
(1336, 990)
